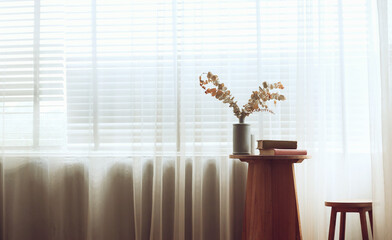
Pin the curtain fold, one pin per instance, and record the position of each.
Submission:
(380, 86)
(122, 198)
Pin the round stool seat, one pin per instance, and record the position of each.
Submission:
(349, 204)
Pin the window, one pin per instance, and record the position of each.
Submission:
(122, 75)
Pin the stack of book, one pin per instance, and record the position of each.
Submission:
(279, 147)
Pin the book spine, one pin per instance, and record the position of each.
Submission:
(279, 152)
(267, 152)
(290, 152)
(277, 144)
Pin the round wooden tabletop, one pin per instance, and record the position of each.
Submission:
(253, 158)
(272, 157)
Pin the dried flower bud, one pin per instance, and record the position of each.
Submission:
(219, 93)
(281, 98)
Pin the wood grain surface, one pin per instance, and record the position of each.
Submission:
(271, 206)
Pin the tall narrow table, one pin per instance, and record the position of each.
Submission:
(271, 205)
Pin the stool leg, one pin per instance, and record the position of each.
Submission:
(332, 223)
(342, 225)
(362, 215)
(371, 220)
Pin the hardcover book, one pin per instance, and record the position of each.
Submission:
(268, 144)
(280, 152)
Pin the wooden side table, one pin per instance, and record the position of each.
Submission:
(271, 205)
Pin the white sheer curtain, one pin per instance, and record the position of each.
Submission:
(380, 86)
(105, 133)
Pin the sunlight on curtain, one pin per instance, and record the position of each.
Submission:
(106, 134)
(381, 118)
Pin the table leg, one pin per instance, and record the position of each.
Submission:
(371, 220)
(258, 214)
(362, 215)
(271, 209)
(332, 224)
(285, 218)
(342, 225)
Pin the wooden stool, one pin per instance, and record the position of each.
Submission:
(360, 207)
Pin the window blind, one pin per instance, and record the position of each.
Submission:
(123, 75)
(32, 74)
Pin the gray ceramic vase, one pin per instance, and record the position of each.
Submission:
(241, 139)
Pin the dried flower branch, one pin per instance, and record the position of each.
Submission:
(220, 92)
(256, 103)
